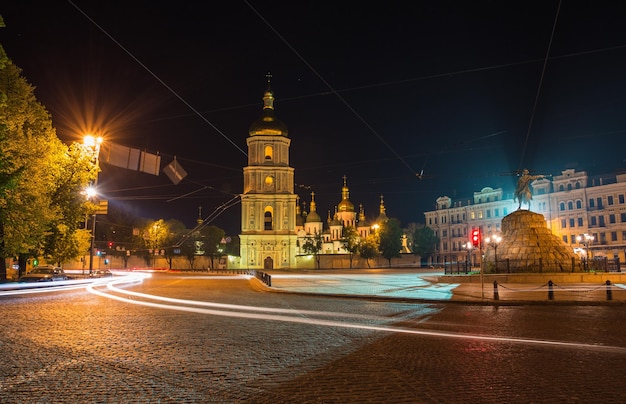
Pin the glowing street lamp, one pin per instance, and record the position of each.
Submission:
(585, 239)
(92, 144)
(494, 241)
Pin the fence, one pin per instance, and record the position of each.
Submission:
(551, 287)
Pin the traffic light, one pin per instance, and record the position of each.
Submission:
(110, 244)
(475, 237)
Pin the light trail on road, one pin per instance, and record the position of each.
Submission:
(184, 305)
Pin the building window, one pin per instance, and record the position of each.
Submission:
(579, 204)
(488, 213)
(609, 200)
(563, 223)
(623, 235)
(472, 215)
(565, 239)
(505, 211)
(613, 236)
(569, 187)
(623, 217)
(580, 222)
(571, 222)
(620, 197)
(599, 200)
(578, 185)
(268, 219)
(497, 212)
(562, 206)
(269, 152)
(561, 188)
(611, 218)
(601, 221)
(594, 222)
(592, 203)
(570, 205)
(444, 233)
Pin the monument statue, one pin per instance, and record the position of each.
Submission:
(523, 192)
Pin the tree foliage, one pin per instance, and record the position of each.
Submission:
(313, 245)
(424, 242)
(39, 178)
(368, 248)
(352, 241)
(390, 240)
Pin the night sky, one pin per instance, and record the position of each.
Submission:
(464, 91)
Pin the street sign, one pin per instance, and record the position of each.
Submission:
(103, 207)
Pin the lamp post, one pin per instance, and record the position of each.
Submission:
(93, 145)
(586, 239)
(494, 241)
(468, 246)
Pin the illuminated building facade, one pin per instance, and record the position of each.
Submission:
(273, 225)
(573, 204)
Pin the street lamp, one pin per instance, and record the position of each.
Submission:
(494, 241)
(92, 144)
(585, 239)
(468, 246)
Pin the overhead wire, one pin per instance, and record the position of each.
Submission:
(156, 77)
(543, 71)
(331, 88)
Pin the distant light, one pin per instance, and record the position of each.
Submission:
(91, 192)
(92, 141)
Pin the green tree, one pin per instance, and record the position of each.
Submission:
(76, 171)
(176, 230)
(313, 245)
(153, 238)
(368, 248)
(424, 242)
(29, 169)
(352, 240)
(390, 240)
(212, 245)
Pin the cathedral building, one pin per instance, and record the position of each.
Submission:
(274, 225)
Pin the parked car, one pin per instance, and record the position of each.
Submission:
(45, 273)
(101, 273)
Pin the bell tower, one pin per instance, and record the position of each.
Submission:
(268, 203)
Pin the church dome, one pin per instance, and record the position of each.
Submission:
(268, 124)
(345, 205)
(313, 217)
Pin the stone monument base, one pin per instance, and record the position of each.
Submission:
(529, 246)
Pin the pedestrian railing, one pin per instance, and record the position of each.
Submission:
(551, 287)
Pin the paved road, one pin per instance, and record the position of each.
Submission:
(226, 339)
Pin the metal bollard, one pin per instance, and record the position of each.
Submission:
(550, 291)
(496, 296)
(609, 291)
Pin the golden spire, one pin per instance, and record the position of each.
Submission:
(268, 97)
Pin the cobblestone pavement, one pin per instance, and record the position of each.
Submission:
(74, 346)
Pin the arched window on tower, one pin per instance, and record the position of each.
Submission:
(267, 218)
(269, 152)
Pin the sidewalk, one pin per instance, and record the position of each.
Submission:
(420, 285)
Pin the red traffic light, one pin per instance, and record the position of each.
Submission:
(475, 237)
(110, 244)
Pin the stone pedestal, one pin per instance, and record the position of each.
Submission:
(529, 246)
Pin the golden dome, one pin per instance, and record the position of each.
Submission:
(345, 205)
(268, 124)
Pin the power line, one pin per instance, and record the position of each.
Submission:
(331, 88)
(171, 90)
